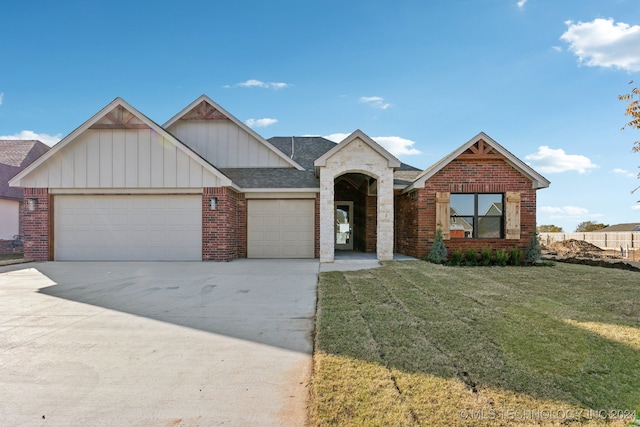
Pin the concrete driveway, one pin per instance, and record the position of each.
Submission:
(162, 344)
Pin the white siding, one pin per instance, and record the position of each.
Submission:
(116, 158)
(225, 145)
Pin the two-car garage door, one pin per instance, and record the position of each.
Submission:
(128, 227)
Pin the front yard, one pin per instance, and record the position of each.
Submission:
(414, 343)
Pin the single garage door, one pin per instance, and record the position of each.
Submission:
(128, 227)
(280, 229)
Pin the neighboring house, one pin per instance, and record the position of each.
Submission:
(15, 155)
(632, 226)
(204, 186)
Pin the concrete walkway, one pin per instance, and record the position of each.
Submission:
(162, 344)
(350, 261)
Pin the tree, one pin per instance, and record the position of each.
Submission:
(549, 228)
(633, 110)
(587, 226)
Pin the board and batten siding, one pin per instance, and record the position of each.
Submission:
(225, 144)
(121, 158)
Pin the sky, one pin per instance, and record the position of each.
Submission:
(541, 77)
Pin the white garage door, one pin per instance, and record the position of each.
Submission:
(281, 229)
(128, 227)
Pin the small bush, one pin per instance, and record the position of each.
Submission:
(515, 256)
(533, 253)
(501, 257)
(438, 253)
(485, 257)
(471, 257)
(456, 257)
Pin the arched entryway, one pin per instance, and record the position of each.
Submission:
(355, 204)
(353, 169)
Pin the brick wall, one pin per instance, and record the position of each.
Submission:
(416, 212)
(224, 234)
(36, 225)
(371, 224)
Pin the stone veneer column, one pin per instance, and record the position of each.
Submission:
(385, 216)
(327, 226)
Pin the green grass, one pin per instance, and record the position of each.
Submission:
(414, 343)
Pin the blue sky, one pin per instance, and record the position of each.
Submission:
(541, 77)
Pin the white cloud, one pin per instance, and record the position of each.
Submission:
(605, 43)
(563, 211)
(257, 83)
(636, 207)
(30, 135)
(549, 160)
(557, 48)
(521, 3)
(393, 144)
(261, 123)
(375, 101)
(624, 172)
(1, 97)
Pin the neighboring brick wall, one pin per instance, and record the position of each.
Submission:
(36, 225)
(416, 212)
(224, 235)
(8, 247)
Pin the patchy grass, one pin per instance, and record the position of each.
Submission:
(414, 343)
(4, 257)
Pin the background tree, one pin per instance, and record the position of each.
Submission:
(633, 110)
(549, 228)
(587, 226)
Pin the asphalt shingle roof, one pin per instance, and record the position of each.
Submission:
(15, 155)
(272, 177)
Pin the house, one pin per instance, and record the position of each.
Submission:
(15, 155)
(204, 186)
(626, 227)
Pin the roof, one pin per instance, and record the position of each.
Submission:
(302, 149)
(105, 113)
(16, 155)
(630, 226)
(272, 178)
(538, 181)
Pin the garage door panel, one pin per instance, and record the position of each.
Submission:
(133, 227)
(281, 228)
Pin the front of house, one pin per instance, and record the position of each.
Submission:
(204, 186)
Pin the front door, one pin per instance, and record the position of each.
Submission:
(344, 226)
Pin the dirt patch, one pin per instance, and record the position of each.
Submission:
(574, 248)
(580, 252)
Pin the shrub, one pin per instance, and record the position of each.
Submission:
(471, 257)
(501, 257)
(456, 257)
(515, 256)
(485, 257)
(438, 253)
(533, 253)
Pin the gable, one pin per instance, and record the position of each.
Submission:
(223, 140)
(358, 151)
(120, 148)
(480, 148)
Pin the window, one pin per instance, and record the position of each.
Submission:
(476, 216)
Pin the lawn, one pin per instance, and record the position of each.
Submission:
(413, 343)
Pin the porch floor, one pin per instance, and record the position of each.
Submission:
(353, 260)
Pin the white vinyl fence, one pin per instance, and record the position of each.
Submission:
(602, 240)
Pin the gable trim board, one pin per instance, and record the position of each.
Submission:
(120, 163)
